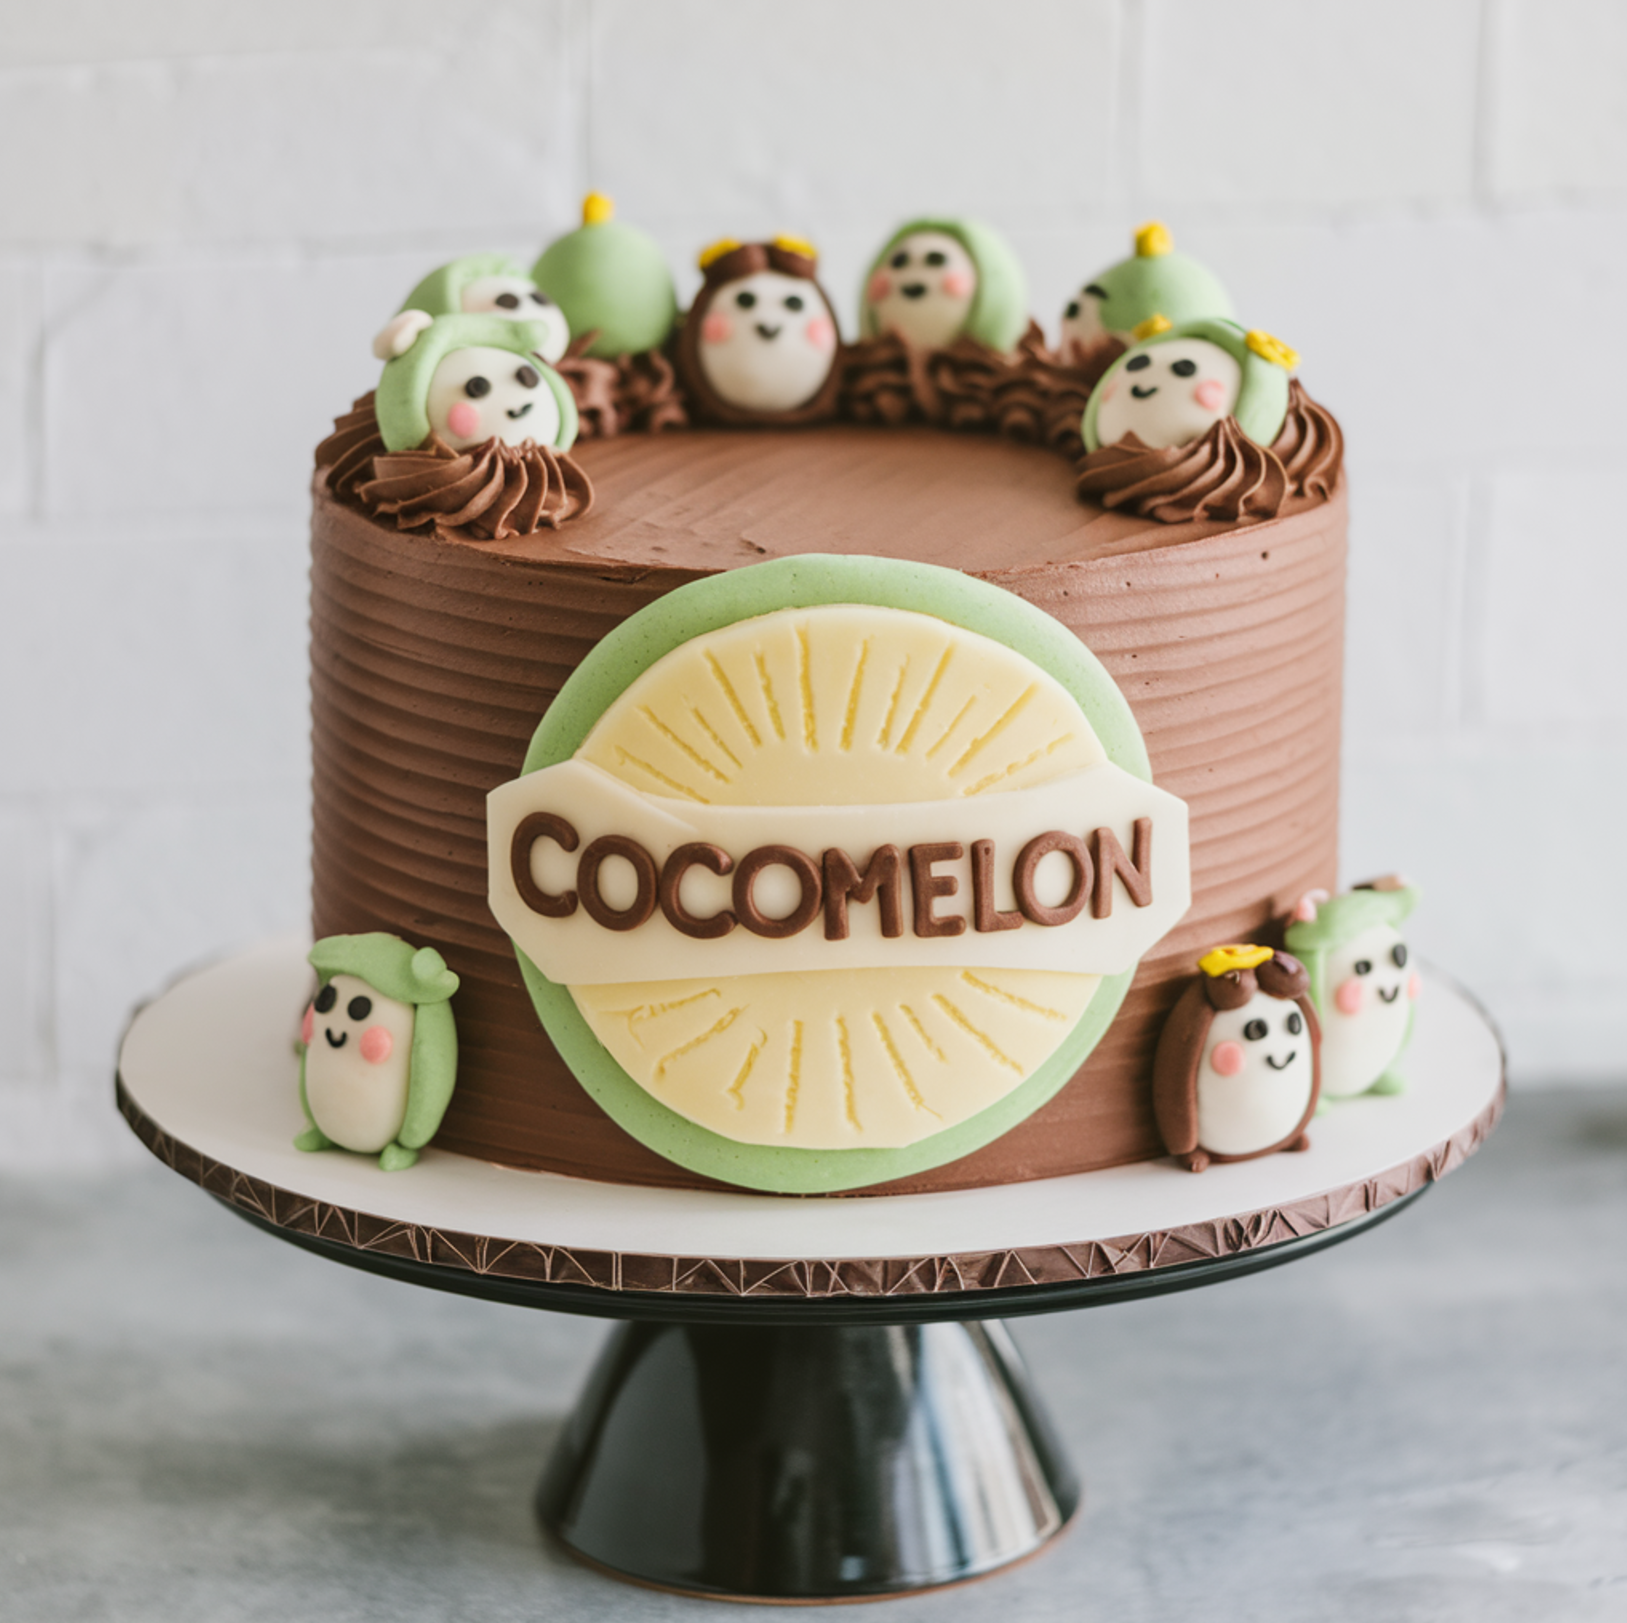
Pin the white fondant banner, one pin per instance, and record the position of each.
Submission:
(583, 878)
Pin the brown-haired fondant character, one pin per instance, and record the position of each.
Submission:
(759, 344)
(1238, 1069)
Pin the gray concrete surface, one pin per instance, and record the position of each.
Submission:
(197, 1423)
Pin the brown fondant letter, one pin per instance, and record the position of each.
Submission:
(1110, 860)
(587, 881)
(985, 915)
(531, 828)
(1030, 857)
(699, 854)
(928, 886)
(882, 881)
(745, 905)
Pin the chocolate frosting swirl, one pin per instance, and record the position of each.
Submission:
(1221, 475)
(637, 394)
(489, 492)
(1311, 446)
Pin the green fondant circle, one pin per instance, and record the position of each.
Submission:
(611, 279)
(742, 594)
(1262, 395)
(1171, 285)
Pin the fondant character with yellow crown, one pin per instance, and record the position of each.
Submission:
(760, 342)
(1238, 1069)
(1154, 283)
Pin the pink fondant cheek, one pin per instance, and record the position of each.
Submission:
(464, 419)
(957, 284)
(377, 1045)
(1210, 394)
(1227, 1059)
(1414, 985)
(821, 333)
(717, 329)
(1348, 999)
(307, 1026)
(880, 287)
(1111, 390)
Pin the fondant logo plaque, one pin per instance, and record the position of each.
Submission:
(829, 870)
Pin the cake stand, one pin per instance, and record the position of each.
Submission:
(808, 1399)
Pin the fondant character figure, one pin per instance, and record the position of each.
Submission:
(1362, 982)
(612, 281)
(1176, 383)
(469, 379)
(379, 1048)
(1153, 281)
(476, 285)
(759, 344)
(938, 280)
(1237, 1074)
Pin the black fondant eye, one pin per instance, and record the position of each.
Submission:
(1254, 1030)
(793, 301)
(358, 1008)
(1363, 966)
(745, 299)
(1398, 955)
(528, 377)
(1096, 291)
(476, 387)
(900, 259)
(1184, 369)
(1072, 312)
(1138, 363)
(326, 998)
(1295, 1023)
(541, 298)
(937, 258)
(507, 301)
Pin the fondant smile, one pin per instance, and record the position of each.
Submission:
(913, 290)
(1283, 1064)
(340, 1041)
(518, 412)
(1389, 996)
(1143, 394)
(765, 331)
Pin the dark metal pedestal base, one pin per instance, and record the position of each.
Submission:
(807, 1463)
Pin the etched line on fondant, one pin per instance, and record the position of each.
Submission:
(810, 727)
(850, 1106)
(717, 1028)
(767, 684)
(694, 754)
(978, 744)
(629, 759)
(737, 1086)
(852, 715)
(949, 731)
(734, 701)
(897, 1059)
(925, 703)
(712, 733)
(989, 989)
(920, 1031)
(958, 1015)
(885, 737)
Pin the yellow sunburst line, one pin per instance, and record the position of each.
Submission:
(745, 1071)
(734, 701)
(810, 731)
(794, 1082)
(712, 733)
(885, 737)
(988, 1043)
(990, 990)
(944, 736)
(1018, 766)
(672, 738)
(899, 1066)
(768, 696)
(994, 732)
(926, 701)
(851, 1104)
(641, 1012)
(852, 715)
(718, 1027)
(920, 1031)
(627, 758)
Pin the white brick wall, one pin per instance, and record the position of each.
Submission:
(207, 207)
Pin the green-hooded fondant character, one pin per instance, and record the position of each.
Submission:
(938, 280)
(471, 379)
(378, 1048)
(476, 285)
(1174, 386)
(1153, 281)
(1362, 982)
(612, 280)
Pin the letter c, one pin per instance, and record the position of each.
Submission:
(531, 828)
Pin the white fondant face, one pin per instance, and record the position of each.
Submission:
(1254, 1080)
(924, 289)
(1169, 395)
(519, 300)
(767, 342)
(1082, 319)
(476, 393)
(1369, 988)
(357, 1063)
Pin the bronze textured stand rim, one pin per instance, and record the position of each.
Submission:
(1022, 1279)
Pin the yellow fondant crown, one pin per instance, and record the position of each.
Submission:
(796, 245)
(716, 250)
(1272, 349)
(1223, 960)
(1151, 327)
(1153, 239)
(597, 209)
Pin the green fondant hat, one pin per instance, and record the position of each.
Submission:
(441, 292)
(1262, 396)
(1336, 920)
(612, 279)
(404, 386)
(416, 975)
(999, 310)
(1157, 281)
